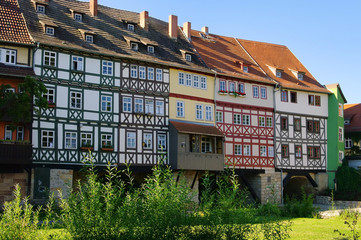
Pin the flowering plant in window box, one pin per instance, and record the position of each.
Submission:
(87, 147)
(107, 148)
(238, 94)
(51, 104)
(222, 92)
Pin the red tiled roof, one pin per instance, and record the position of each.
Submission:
(224, 54)
(196, 129)
(9, 70)
(353, 113)
(12, 23)
(280, 57)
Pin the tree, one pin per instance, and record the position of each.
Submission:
(17, 107)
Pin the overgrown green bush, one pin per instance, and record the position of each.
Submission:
(299, 208)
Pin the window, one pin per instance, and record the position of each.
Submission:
(245, 69)
(127, 104)
(263, 151)
(150, 73)
(313, 126)
(209, 113)
(131, 27)
(300, 76)
(311, 99)
(70, 140)
(10, 90)
(269, 122)
(50, 95)
(20, 133)
(246, 120)
(255, 91)
(162, 142)
(159, 75)
(313, 152)
(131, 140)
(284, 96)
(133, 71)
(89, 38)
(106, 103)
(188, 57)
(78, 17)
(149, 106)
(147, 140)
(340, 156)
(348, 142)
(141, 72)
(317, 101)
(297, 124)
(49, 30)
(180, 109)
(284, 151)
(222, 86)
(150, 49)
(181, 78)
(8, 133)
(237, 149)
(47, 139)
(9, 56)
(241, 87)
(199, 112)
(231, 87)
(159, 108)
(270, 151)
(107, 68)
(263, 93)
(75, 100)
(203, 83)
(247, 150)
(298, 151)
(86, 139)
(278, 73)
(237, 118)
(206, 145)
(340, 109)
(293, 96)
(134, 46)
(219, 116)
(106, 140)
(262, 122)
(77, 63)
(49, 58)
(340, 134)
(195, 81)
(188, 80)
(138, 105)
(40, 8)
(284, 123)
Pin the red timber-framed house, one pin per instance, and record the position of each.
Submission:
(15, 65)
(107, 74)
(244, 111)
(301, 112)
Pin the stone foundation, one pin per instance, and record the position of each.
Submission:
(8, 182)
(61, 179)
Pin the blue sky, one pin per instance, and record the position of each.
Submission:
(324, 35)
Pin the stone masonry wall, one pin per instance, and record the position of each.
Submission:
(7, 183)
(61, 179)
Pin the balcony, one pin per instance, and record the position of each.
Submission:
(15, 153)
(200, 161)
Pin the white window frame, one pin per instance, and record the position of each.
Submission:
(159, 108)
(89, 38)
(162, 142)
(130, 27)
(263, 151)
(222, 86)
(341, 156)
(241, 88)
(142, 72)
(219, 116)
(134, 46)
(255, 91)
(50, 95)
(49, 30)
(246, 119)
(199, 111)
(87, 138)
(107, 139)
(247, 150)
(147, 140)
(237, 118)
(150, 73)
(8, 56)
(131, 140)
(340, 131)
(76, 100)
(150, 49)
(159, 74)
(206, 144)
(180, 108)
(195, 81)
(40, 8)
(238, 149)
(49, 137)
(269, 122)
(231, 87)
(188, 57)
(270, 151)
(261, 121)
(107, 67)
(106, 103)
(278, 73)
(203, 82)
(138, 105)
(189, 79)
(348, 143)
(70, 140)
(245, 69)
(300, 76)
(50, 58)
(8, 133)
(127, 104)
(263, 91)
(209, 112)
(149, 106)
(77, 63)
(133, 71)
(78, 17)
(20, 132)
(181, 78)
(340, 110)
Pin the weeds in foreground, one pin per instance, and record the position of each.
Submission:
(351, 221)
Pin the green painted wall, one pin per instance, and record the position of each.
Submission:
(334, 146)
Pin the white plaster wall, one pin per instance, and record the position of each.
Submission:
(62, 97)
(60, 136)
(63, 61)
(47, 125)
(37, 56)
(91, 100)
(92, 65)
(91, 116)
(37, 71)
(63, 75)
(117, 69)
(34, 140)
(92, 79)
(61, 113)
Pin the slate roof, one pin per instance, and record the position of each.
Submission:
(280, 57)
(12, 24)
(110, 30)
(191, 128)
(224, 55)
(16, 71)
(352, 112)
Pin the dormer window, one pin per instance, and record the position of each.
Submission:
(49, 30)
(300, 76)
(40, 8)
(245, 69)
(78, 17)
(134, 46)
(131, 27)
(188, 57)
(278, 73)
(347, 122)
(150, 49)
(89, 38)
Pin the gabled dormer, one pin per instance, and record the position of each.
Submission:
(133, 43)
(40, 6)
(298, 74)
(187, 55)
(48, 27)
(88, 36)
(77, 15)
(129, 25)
(151, 45)
(276, 71)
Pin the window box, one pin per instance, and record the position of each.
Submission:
(51, 104)
(237, 94)
(222, 92)
(85, 148)
(107, 149)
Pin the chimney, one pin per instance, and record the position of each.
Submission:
(144, 20)
(205, 30)
(93, 7)
(187, 30)
(173, 26)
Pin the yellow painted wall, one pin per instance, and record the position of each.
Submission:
(22, 54)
